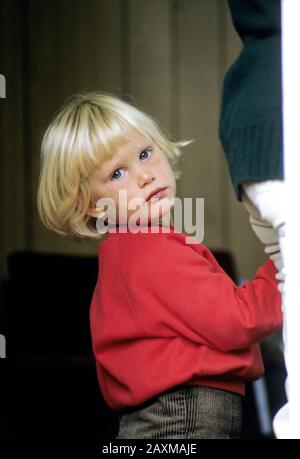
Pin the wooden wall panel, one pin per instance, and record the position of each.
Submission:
(149, 57)
(74, 46)
(167, 56)
(199, 109)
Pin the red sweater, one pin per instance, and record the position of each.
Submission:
(165, 313)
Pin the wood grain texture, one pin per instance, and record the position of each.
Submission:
(169, 57)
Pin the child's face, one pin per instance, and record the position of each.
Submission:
(139, 167)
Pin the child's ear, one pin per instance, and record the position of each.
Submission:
(93, 211)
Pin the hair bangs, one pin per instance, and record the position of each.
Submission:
(106, 132)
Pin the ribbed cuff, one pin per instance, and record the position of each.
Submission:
(254, 153)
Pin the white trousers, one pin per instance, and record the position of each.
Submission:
(264, 202)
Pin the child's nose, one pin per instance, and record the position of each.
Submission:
(145, 177)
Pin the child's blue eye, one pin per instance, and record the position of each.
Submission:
(115, 174)
(149, 152)
(113, 177)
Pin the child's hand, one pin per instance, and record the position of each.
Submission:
(265, 231)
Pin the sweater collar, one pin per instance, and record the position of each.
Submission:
(149, 228)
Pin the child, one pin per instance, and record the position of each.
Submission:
(175, 340)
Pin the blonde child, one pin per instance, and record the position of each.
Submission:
(174, 339)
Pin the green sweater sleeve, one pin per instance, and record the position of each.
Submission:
(250, 126)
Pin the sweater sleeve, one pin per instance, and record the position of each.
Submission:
(176, 291)
(250, 126)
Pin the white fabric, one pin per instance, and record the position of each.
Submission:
(265, 203)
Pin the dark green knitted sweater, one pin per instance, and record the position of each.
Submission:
(251, 118)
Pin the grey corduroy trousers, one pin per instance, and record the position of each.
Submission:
(185, 411)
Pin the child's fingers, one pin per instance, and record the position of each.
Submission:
(264, 231)
(277, 260)
(279, 276)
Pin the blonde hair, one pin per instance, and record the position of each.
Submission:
(84, 133)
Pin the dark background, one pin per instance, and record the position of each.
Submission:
(170, 58)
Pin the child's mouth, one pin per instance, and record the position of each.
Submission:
(158, 193)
